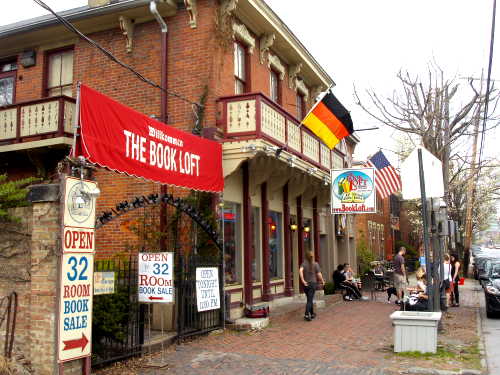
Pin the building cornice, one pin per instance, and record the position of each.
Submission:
(286, 35)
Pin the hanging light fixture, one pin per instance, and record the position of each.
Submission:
(293, 227)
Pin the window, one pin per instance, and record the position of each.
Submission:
(274, 85)
(240, 73)
(60, 73)
(232, 242)
(8, 70)
(275, 247)
(300, 106)
(256, 244)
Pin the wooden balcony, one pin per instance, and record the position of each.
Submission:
(40, 123)
(255, 116)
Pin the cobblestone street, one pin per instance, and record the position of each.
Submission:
(346, 338)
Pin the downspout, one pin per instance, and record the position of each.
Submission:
(163, 104)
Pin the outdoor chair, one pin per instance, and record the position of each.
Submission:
(368, 282)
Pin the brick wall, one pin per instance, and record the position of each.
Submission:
(14, 274)
(381, 217)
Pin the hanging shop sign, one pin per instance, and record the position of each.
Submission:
(353, 191)
(76, 269)
(121, 139)
(104, 283)
(207, 288)
(395, 222)
(75, 306)
(79, 215)
(155, 277)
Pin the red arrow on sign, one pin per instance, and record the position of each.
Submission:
(151, 298)
(77, 343)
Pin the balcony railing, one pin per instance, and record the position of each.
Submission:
(37, 120)
(254, 116)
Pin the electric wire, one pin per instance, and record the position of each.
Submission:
(488, 80)
(112, 57)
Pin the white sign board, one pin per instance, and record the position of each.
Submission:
(433, 175)
(207, 288)
(75, 306)
(353, 191)
(155, 277)
(79, 211)
(104, 283)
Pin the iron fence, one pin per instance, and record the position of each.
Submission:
(191, 322)
(118, 318)
(8, 314)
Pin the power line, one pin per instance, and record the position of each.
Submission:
(112, 57)
(488, 80)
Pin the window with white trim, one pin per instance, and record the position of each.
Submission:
(8, 70)
(240, 73)
(60, 73)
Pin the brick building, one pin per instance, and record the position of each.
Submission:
(257, 81)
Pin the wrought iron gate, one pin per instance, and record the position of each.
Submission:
(190, 322)
(118, 321)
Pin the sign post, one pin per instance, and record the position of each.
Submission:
(76, 270)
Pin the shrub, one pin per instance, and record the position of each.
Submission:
(365, 256)
(329, 288)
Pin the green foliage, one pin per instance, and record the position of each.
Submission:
(329, 288)
(411, 252)
(365, 256)
(13, 194)
(111, 314)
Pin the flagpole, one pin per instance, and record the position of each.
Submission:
(76, 119)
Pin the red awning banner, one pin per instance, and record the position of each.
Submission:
(119, 138)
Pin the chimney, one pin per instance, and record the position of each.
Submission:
(98, 3)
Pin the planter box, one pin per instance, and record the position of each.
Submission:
(415, 331)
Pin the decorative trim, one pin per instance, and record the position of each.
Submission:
(266, 41)
(191, 7)
(228, 7)
(127, 28)
(275, 62)
(292, 75)
(241, 33)
(302, 88)
(316, 90)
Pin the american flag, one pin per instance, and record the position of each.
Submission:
(387, 180)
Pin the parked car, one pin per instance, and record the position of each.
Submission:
(492, 291)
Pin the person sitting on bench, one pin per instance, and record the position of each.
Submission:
(347, 283)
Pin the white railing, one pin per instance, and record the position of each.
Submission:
(37, 118)
(251, 115)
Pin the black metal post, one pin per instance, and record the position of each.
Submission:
(426, 227)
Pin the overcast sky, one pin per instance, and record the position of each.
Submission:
(366, 42)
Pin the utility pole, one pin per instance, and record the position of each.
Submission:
(470, 180)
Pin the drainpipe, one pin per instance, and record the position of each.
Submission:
(163, 104)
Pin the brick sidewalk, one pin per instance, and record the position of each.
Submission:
(346, 338)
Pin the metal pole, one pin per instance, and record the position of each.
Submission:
(425, 225)
(76, 119)
(223, 281)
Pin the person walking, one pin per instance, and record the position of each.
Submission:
(400, 274)
(310, 275)
(447, 279)
(455, 269)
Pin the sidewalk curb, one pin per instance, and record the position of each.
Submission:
(482, 348)
(433, 371)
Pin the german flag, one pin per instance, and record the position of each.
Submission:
(329, 120)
